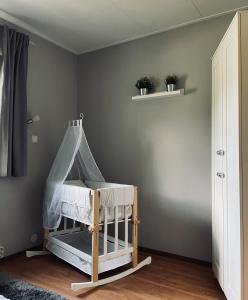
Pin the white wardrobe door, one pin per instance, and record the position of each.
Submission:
(217, 168)
(232, 247)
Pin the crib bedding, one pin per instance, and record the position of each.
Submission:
(76, 200)
(76, 249)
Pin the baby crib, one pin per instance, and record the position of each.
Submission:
(81, 235)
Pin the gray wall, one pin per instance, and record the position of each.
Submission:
(52, 93)
(162, 146)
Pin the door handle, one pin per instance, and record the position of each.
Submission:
(220, 152)
(221, 174)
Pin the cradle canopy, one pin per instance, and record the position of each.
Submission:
(71, 198)
(73, 152)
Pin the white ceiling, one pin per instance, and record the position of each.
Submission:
(86, 25)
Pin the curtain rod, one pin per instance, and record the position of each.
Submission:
(4, 22)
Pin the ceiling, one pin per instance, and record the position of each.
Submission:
(85, 25)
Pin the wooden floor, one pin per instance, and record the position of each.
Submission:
(166, 278)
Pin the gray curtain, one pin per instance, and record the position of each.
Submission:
(13, 103)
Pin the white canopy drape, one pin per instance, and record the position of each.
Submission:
(73, 152)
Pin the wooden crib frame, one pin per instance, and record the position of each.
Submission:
(95, 228)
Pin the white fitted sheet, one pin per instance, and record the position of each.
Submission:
(76, 201)
(76, 248)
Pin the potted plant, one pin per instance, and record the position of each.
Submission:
(171, 82)
(144, 85)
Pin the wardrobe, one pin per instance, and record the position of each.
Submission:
(230, 160)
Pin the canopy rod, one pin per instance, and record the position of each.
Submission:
(5, 22)
(78, 122)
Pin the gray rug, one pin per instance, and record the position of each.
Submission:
(15, 289)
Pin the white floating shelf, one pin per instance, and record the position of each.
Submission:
(158, 95)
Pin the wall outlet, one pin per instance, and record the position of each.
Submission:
(34, 238)
(35, 139)
(1, 251)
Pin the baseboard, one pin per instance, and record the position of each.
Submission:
(175, 256)
(147, 250)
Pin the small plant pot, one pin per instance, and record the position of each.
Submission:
(144, 91)
(171, 87)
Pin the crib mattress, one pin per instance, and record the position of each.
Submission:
(76, 200)
(76, 248)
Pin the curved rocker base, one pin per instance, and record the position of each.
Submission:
(36, 253)
(82, 285)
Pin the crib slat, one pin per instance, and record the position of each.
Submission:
(105, 230)
(116, 228)
(126, 226)
(65, 223)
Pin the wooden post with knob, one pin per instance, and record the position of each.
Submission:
(135, 228)
(95, 235)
